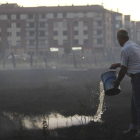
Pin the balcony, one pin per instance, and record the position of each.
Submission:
(30, 20)
(97, 27)
(30, 37)
(98, 18)
(98, 36)
(30, 28)
(43, 19)
(31, 46)
(42, 28)
(43, 37)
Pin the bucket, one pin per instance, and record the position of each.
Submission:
(107, 78)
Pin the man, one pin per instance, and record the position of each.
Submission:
(130, 65)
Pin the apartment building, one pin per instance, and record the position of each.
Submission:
(138, 32)
(133, 36)
(117, 23)
(127, 24)
(38, 30)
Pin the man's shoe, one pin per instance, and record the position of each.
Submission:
(131, 131)
(138, 134)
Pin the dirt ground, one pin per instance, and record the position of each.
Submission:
(40, 91)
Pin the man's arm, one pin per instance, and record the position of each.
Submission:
(116, 65)
(121, 75)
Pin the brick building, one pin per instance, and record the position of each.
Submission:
(38, 30)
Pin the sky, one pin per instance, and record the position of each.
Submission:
(126, 7)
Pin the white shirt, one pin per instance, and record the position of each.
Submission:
(130, 57)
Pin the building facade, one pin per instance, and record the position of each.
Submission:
(39, 30)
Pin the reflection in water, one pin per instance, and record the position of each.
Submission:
(55, 120)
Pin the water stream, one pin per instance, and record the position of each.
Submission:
(97, 117)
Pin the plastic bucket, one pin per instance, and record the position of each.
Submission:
(107, 78)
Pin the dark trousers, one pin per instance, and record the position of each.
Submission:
(135, 100)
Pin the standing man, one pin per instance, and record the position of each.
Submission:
(130, 65)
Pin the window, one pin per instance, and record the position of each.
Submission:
(42, 24)
(64, 15)
(55, 42)
(30, 16)
(43, 15)
(85, 32)
(117, 25)
(9, 34)
(76, 42)
(99, 23)
(55, 15)
(41, 53)
(42, 42)
(76, 23)
(99, 14)
(31, 25)
(18, 33)
(31, 42)
(64, 32)
(17, 16)
(18, 25)
(75, 32)
(55, 24)
(85, 41)
(55, 33)
(85, 14)
(75, 15)
(85, 23)
(42, 33)
(9, 43)
(8, 25)
(32, 33)
(99, 32)
(64, 24)
(65, 42)
(99, 41)
(31, 53)
(9, 16)
(18, 43)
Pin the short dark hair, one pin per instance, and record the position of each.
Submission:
(122, 33)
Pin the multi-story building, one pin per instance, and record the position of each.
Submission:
(138, 32)
(117, 23)
(37, 29)
(127, 24)
(133, 36)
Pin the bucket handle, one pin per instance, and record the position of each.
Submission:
(109, 69)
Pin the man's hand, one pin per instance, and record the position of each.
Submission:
(116, 83)
(114, 66)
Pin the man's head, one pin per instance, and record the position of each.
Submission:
(122, 36)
